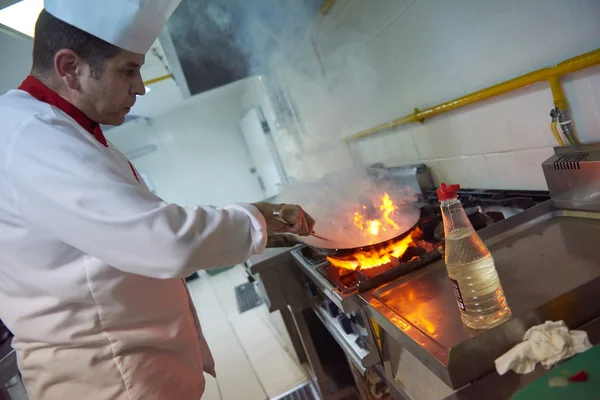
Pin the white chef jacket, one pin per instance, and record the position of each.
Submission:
(92, 264)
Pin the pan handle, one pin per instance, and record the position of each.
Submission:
(283, 221)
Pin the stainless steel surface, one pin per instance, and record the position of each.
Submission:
(573, 177)
(549, 266)
(314, 364)
(346, 302)
(496, 387)
(328, 389)
(396, 392)
(361, 358)
(417, 177)
(267, 276)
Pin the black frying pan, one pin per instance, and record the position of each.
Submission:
(329, 247)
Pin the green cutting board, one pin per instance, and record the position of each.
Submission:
(589, 361)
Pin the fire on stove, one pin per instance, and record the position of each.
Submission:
(365, 269)
(393, 244)
(387, 254)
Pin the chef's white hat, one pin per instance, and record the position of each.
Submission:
(132, 25)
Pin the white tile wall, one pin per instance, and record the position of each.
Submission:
(583, 100)
(369, 18)
(425, 52)
(201, 156)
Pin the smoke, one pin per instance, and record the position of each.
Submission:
(320, 83)
(335, 199)
(317, 74)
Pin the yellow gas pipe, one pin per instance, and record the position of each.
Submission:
(158, 79)
(560, 104)
(556, 133)
(325, 8)
(550, 74)
(560, 101)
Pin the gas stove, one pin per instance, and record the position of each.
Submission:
(483, 207)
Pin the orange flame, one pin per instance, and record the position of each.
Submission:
(380, 255)
(385, 253)
(388, 208)
(375, 226)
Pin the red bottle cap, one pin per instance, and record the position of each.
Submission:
(446, 192)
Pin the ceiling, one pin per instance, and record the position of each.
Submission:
(6, 3)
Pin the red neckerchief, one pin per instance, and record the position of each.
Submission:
(37, 89)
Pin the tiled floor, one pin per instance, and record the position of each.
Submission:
(253, 355)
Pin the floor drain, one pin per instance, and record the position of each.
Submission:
(302, 393)
(246, 297)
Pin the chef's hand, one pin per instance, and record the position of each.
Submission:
(300, 223)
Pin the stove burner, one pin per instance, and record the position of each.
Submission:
(483, 207)
(348, 281)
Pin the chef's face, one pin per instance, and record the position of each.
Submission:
(108, 93)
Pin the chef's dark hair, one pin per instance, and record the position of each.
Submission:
(53, 35)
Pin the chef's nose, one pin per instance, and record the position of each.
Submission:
(138, 87)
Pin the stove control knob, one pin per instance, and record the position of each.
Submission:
(332, 309)
(345, 323)
(362, 343)
(311, 288)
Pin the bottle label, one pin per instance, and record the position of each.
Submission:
(458, 295)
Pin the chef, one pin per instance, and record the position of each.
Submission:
(92, 264)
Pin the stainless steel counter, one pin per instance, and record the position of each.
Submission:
(548, 261)
(496, 387)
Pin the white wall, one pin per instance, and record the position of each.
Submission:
(395, 55)
(15, 64)
(164, 95)
(15, 60)
(201, 157)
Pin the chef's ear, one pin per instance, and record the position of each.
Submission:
(68, 66)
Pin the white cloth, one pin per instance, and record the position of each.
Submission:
(92, 265)
(547, 344)
(132, 25)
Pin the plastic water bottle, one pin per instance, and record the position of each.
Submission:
(470, 266)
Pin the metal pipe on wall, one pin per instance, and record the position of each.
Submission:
(158, 79)
(561, 110)
(568, 66)
(325, 8)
